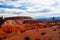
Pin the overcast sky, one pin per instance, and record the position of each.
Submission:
(33, 8)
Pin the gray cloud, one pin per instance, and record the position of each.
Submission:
(40, 11)
(14, 0)
(45, 10)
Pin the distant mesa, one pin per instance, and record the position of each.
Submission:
(19, 17)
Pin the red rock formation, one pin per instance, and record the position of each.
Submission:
(21, 28)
